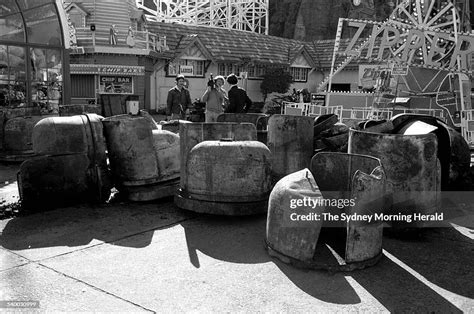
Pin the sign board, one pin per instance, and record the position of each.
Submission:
(392, 41)
(318, 99)
(368, 75)
(115, 84)
(470, 126)
(116, 79)
(186, 70)
(107, 69)
(400, 70)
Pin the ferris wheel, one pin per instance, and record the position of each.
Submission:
(431, 17)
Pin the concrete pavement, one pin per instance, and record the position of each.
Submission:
(154, 257)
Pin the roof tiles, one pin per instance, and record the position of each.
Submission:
(236, 46)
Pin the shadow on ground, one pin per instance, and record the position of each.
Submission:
(442, 256)
(242, 240)
(79, 225)
(443, 262)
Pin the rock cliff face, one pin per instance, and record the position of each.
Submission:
(317, 19)
(283, 15)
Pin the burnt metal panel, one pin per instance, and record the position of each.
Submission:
(260, 120)
(296, 239)
(290, 139)
(411, 165)
(364, 239)
(192, 134)
(360, 178)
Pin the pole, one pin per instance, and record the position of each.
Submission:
(336, 48)
(458, 59)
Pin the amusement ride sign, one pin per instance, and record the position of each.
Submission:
(425, 44)
(422, 47)
(422, 33)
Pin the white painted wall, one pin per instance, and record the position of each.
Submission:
(163, 84)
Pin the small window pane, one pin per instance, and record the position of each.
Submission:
(251, 71)
(299, 74)
(8, 7)
(16, 62)
(77, 19)
(199, 68)
(39, 95)
(172, 69)
(17, 93)
(3, 62)
(28, 4)
(43, 26)
(54, 94)
(221, 69)
(38, 65)
(237, 70)
(12, 28)
(4, 99)
(54, 63)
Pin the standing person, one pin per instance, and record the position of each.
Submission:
(215, 97)
(130, 38)
(178, 100)
(239, 101)
(113, 35)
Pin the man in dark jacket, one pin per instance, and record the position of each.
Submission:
(239, 101)
(178, 100)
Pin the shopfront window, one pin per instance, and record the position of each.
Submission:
(46, 77)
(31, 56)
(13, 76)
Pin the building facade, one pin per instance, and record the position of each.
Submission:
(113, 58)
(107, 67)
(197, 52)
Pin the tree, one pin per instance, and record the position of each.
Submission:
(275, 80)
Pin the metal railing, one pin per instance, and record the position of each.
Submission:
(438, 113)
(467, 126)
(309, 109)
(368, 113)
(356, 113)
(143, 39)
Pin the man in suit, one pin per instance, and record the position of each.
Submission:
(178, 100)
(239, 101)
